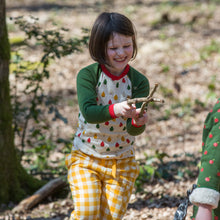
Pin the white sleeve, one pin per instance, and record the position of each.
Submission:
(205, 196)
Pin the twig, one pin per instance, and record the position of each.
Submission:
(146, 100)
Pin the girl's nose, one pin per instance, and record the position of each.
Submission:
(120, 51)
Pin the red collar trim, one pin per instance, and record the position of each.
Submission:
(113, 77)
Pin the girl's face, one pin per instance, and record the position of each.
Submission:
(119, 53)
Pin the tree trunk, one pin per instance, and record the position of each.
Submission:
(15, 183)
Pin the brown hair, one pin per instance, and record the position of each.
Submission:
(104, 27)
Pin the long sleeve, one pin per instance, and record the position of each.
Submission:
(86, 91)
(209, 175)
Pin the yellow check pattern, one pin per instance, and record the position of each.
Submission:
(101, 189)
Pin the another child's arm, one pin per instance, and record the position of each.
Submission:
(204, 212)
(207, 192)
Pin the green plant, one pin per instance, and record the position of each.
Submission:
(17, 41)
(155, 168)
(166, 92)
(41, 152)
(186, 108)
(166, 115)
(208, 50)
(212, 87)
(149, 170)
(165, 68)
(32, 106)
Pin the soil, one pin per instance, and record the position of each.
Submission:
(179, 44)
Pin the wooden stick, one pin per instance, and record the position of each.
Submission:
(146, 100)
(39, 195)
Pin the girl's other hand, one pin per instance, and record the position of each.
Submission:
(140, 120)
(125, 110)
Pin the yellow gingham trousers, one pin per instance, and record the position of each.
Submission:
(101, 188)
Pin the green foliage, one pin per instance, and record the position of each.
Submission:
(166, 92)
(130, 9)
(156, 168)
(162, 36)
(179, 108)
(166, 116)
(185, 108)
(37, 157)
(32, 106)
(208, 50)
(149, 170)
(42, 153)
(17, 41)
(165, 68)
(212, 87)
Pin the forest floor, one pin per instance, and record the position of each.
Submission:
(179, 48)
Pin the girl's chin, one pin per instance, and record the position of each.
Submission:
(120, 65)
(117, 67)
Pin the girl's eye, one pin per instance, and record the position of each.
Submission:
(113, 48)
(127, 46)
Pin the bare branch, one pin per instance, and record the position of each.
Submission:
(146, 100)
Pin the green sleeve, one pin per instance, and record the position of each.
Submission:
(140, 88)
(209, 176)
(86, 92)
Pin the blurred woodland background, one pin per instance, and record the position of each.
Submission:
(178, 47)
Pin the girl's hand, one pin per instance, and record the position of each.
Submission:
(204, 212)
(125, 110)
(140, 120)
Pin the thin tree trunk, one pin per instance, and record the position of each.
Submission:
(15, 183)
(6, 134)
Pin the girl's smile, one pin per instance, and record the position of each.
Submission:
(119, 53)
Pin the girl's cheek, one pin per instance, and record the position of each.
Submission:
(111, 53)
(129, 51)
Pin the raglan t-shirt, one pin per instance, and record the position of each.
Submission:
(100, 133)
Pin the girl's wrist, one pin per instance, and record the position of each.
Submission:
(134, 123)
(112, 111)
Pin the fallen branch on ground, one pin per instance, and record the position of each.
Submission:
(39, 195)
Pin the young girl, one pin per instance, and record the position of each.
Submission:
(102, 167)
(206, 195)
